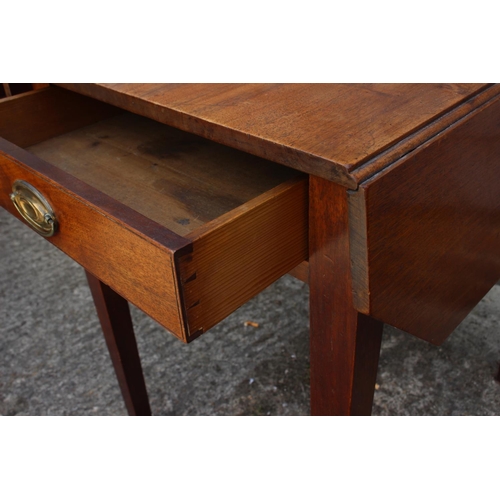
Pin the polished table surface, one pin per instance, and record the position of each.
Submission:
(404, 203)
(330, 131)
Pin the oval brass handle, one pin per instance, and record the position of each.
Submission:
(34, 208)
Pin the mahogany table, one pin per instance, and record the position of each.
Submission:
(188, 200)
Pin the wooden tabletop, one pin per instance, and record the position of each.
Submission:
(341, 132)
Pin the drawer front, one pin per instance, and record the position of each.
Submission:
(135, 265)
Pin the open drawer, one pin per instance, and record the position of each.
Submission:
(186, 229)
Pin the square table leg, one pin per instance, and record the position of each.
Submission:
(345, 344)
(116, 322)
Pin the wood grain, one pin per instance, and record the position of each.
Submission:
(301, 272)
(328, 130)
(177, 179)
(116, 324)
(122, 248)
(35, 116)
(345, 344)
(238, 255)
(426, 231)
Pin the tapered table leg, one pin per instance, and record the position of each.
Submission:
(116, 323)
(345, 344)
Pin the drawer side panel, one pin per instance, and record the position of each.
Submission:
(240, 254)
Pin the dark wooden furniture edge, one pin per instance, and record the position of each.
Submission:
(425, 134)
(345, 344)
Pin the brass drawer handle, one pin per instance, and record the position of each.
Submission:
(34, 208)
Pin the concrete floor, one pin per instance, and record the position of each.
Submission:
(53, 359)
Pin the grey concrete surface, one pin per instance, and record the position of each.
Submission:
(53, 358)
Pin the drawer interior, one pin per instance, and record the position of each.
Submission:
(175, 178)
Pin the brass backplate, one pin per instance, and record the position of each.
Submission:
(33, 208)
